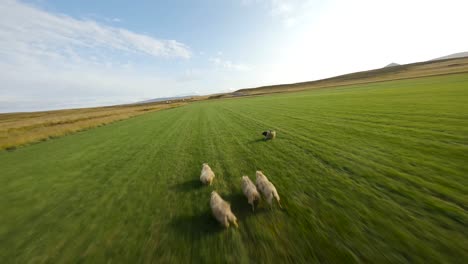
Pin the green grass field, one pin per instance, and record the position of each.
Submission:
(371, 173)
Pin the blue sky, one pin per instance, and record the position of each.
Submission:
(63, 54)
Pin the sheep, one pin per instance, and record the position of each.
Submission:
(267, 188)
(222, 210)
(250, 191)
(269, 134)
(207, 175)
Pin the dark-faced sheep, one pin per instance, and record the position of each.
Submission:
(250, 191)
(269, 134)
(222, 210)
(267, 188)
(207, 175)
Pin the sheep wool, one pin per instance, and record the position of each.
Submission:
(250, 191)
(267, 188)
(207, 175)
(222, 210)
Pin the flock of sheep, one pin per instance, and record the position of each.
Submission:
(222, 210)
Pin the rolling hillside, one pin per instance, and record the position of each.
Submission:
(407, 71)
(453, 56)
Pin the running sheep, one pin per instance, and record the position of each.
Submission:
(222, 210)
(250, 191)
(267, 188)
(269, 134)
(207, 175)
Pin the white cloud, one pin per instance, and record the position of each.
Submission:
(27, 26)
(229, 65)
(281, 8)
(50, 61)
(286, 11)
(100, 18)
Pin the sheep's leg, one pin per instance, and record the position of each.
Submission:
(226, 222)
(270, 202)
(232, 218)
(251, 202)
(279, 204)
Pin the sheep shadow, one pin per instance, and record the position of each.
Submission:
(197, 226)
(187, 186)
(256, 141)
(202, 224)
(242, 209)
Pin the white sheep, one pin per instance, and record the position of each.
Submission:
(250, 191)
(267, 188)
(207, 175)
(222, 210)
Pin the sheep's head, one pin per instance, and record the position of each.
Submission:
(265, 133)
(258, 174)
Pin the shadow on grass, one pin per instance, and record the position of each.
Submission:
(202, 224)
(187, 186)
(255, 141)
(242, 209)
(11, 149)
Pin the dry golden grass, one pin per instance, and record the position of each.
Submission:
(18, 129)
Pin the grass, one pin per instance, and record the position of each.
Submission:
(369, 173)
(17, 129)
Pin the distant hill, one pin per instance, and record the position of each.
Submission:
(162, 99)
(452, 56)
(392, 65)
(405, 71)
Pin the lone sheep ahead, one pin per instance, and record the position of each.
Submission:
(269, 134)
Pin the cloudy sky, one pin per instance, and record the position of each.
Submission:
(62, 54)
